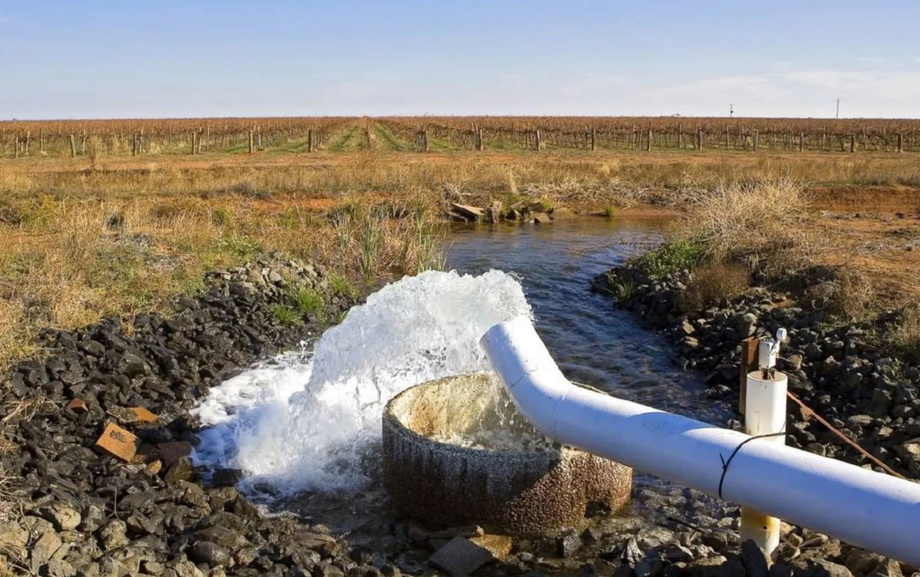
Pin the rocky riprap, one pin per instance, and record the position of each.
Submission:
(835, 368)
(79, 511)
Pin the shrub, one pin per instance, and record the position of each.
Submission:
(713, 281)
(736, 218)
(341, 286)
(285, 315)
(623, 291)
(309, 302)
(668, 258)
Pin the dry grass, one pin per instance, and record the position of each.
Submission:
(733, 218)
(120, 236)
(66, 261)
(907, 333)
(713, 281)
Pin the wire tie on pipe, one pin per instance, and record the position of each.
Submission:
(725, 463)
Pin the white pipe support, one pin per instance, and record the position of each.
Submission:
(764, 414)
(868, 509)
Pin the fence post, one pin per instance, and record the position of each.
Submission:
(251, 143)
(648, 144)
(425, 140)
(699, 139)
(41, 141)
(259, 140)
(853, 142)
(801, 141)
(538, 143)
(194, 138)
(900, 143)
(756, 138)
(310, 142)
(480, 144)
(73, 147)
(593, 139)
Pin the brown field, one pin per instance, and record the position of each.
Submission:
(120, 231)
(179, 136)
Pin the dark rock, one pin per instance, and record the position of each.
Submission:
(226, 477)
(460, 557)
(754, 559)
(209, 553)
(182, 470)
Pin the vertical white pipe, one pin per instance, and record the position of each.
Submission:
(764, 414)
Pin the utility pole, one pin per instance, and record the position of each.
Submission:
(837, 116)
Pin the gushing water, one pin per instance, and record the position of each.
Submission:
(312, 424)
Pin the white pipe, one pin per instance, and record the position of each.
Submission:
(871, 510)
(764, 414)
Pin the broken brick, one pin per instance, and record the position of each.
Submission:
(144, 415)
(77, 406)
(132, 416)
(118, 442)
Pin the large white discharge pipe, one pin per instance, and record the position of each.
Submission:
(875, 511)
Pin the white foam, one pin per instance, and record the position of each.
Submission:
(318, 436)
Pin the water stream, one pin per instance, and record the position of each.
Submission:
(305, 427)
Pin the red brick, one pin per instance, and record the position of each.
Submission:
(118, 442)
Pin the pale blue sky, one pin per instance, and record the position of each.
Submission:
(110, 59)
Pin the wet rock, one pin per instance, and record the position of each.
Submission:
(226, 477)
(460, 557)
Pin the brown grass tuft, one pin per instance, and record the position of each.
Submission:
(735, 218)
(714, 281)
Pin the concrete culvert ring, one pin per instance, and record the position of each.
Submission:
(456, 451)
